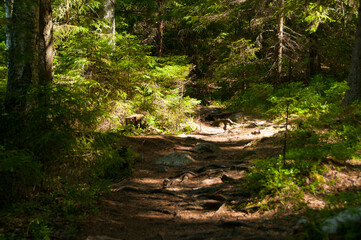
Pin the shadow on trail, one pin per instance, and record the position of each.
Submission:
(199, 201)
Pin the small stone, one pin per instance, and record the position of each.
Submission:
(251, 125)
(162, 169)
(237, 117)
(225, 178)
(166, 183)
(261, 123)
(177, 159)
(239, 168)
(256, 132)
(206, 148)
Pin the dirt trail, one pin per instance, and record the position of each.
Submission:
(195, 201)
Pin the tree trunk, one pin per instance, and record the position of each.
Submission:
(22, 52)
(67, 11)
(46, 49)
(281, 43)
(160, 29)
(314, 64)
(354, 78)
(29, 41)
(109, 15)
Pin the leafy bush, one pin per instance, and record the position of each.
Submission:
(38, 230)
(114, 164)
(124, 78)
(253, 100)
(20, 173)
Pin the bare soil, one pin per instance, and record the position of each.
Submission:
(197, 201)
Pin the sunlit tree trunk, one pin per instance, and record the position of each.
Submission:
(46, 49)
(109, 15)
(281, 43)
(354, 79)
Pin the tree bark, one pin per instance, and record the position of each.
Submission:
(281, 43)
(109, 15)
(29, 41)
(314, 63)
(67, 11)
(22, 46)
(160, 29)
(46, 48)
(354, 78)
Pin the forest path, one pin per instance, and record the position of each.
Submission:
(193, 201)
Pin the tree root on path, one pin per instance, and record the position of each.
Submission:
(252, 225)
(150, 191)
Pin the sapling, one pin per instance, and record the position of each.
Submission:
(283, 107)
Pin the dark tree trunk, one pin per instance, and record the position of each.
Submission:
(160, 29)
(46, 49)
(22, 29)
(354, 78)
(29, 40)
(314, 63)
(45, 56)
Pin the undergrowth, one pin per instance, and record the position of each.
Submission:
(61, 152)
(321, 133)
(54, 166)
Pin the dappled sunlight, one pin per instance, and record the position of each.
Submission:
(203, 195)
(148, 181)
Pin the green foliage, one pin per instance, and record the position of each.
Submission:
(315, 100)
(336, 203)
(40, 216)
(286, 183)
(38, 230)
(40, 137)
(20, 173)
(325, 131)
(254, 99)
(80, 12)
(315, 15)
(344, 200)
(272, 176)
(124, 77)
(114, 164)
(230, 51)
(238, 69)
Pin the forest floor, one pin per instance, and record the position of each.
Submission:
(197, 201)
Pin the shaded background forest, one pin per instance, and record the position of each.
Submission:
(161, 58)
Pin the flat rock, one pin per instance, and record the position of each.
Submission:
(177, 159)
(206, 148)
(237, 117)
